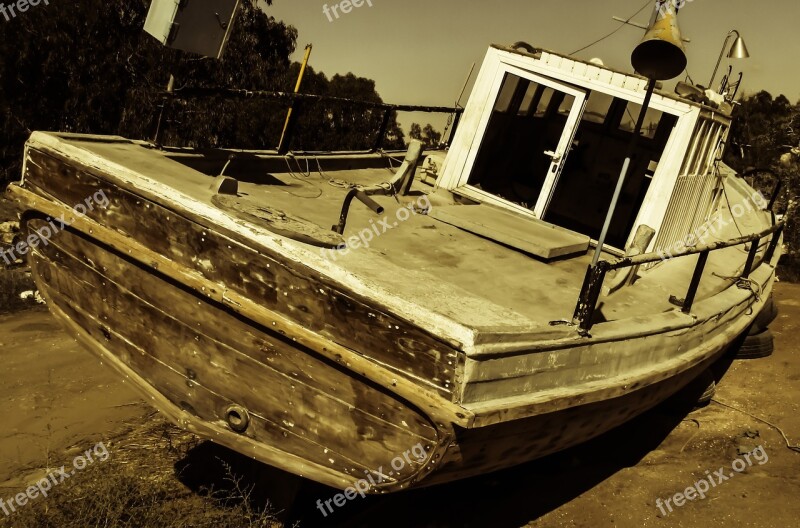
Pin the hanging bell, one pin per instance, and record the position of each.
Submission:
(661, 55)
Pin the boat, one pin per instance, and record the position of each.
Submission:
(574, 256)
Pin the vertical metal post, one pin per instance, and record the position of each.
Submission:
(751, 258)
(590, 293)
(695, 284)
(387, 117)
(773, 244)
(624, 173)
(775, 193)
(165, 104)
(286, 135)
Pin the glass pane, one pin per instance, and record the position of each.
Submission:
(533, 94)
(597, 107)
(528, 120)
(506, 93)
(566, 106)
(651, 120)
(544, 102)
(585, 187)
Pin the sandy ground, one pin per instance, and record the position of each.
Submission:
(59, 400)
(56, 397)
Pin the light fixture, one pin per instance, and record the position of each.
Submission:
(737, 51)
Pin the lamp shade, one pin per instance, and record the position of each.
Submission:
(739, 50)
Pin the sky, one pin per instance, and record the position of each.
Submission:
(420, 52)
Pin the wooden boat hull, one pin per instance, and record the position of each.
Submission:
(259, 353)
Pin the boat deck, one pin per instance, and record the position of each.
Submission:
(456, 276)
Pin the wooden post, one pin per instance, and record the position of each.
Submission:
(286, 135)
(165, 103)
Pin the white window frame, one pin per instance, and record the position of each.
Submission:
(553, 70)
(499, 68)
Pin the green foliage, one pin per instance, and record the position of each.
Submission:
(762, 137)
(89, 67)
(429, 136)
(342, 126)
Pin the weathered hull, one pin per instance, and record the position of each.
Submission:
(305, 413)
(260, 353)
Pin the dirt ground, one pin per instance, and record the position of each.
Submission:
(59, 400)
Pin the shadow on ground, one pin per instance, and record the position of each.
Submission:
(509, 498)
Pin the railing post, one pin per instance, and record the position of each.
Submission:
(695, 284)
(166, 102)
(456, 122)
(773, 244)
(387, 117)
(590, 293)
(751, 258)
(775, 193)
(158, 135)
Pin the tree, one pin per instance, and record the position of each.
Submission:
(89, 67)
(764, 135)
(430, 137)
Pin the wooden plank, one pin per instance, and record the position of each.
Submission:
(502, 445)
(195, 330)
(203, 378)
(286, 287)
(439, 409)
(526, 234)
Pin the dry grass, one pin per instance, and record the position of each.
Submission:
(13, 282)
(138, 487)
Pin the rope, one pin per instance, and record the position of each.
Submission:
(304, 180)
(746, 283)
(795, 448)
(622, 25)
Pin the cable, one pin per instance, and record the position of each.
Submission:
(795, 448)
(304, 180)
(696, 432)
(622, 25)
(727, 200)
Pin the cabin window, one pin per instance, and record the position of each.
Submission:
(553, 150)
(524, 135)
(586, 185)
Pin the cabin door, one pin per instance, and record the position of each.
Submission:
(526, 140)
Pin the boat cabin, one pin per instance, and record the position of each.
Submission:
(545, 136)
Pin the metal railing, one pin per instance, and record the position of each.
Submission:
(291, 99)
(595, 275)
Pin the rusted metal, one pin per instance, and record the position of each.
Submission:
(587, 303)
(595, 275)
(656, 257)
(363, 198)
(233, 93)
(695, 284)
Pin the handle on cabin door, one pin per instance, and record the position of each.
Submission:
(555, 156)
